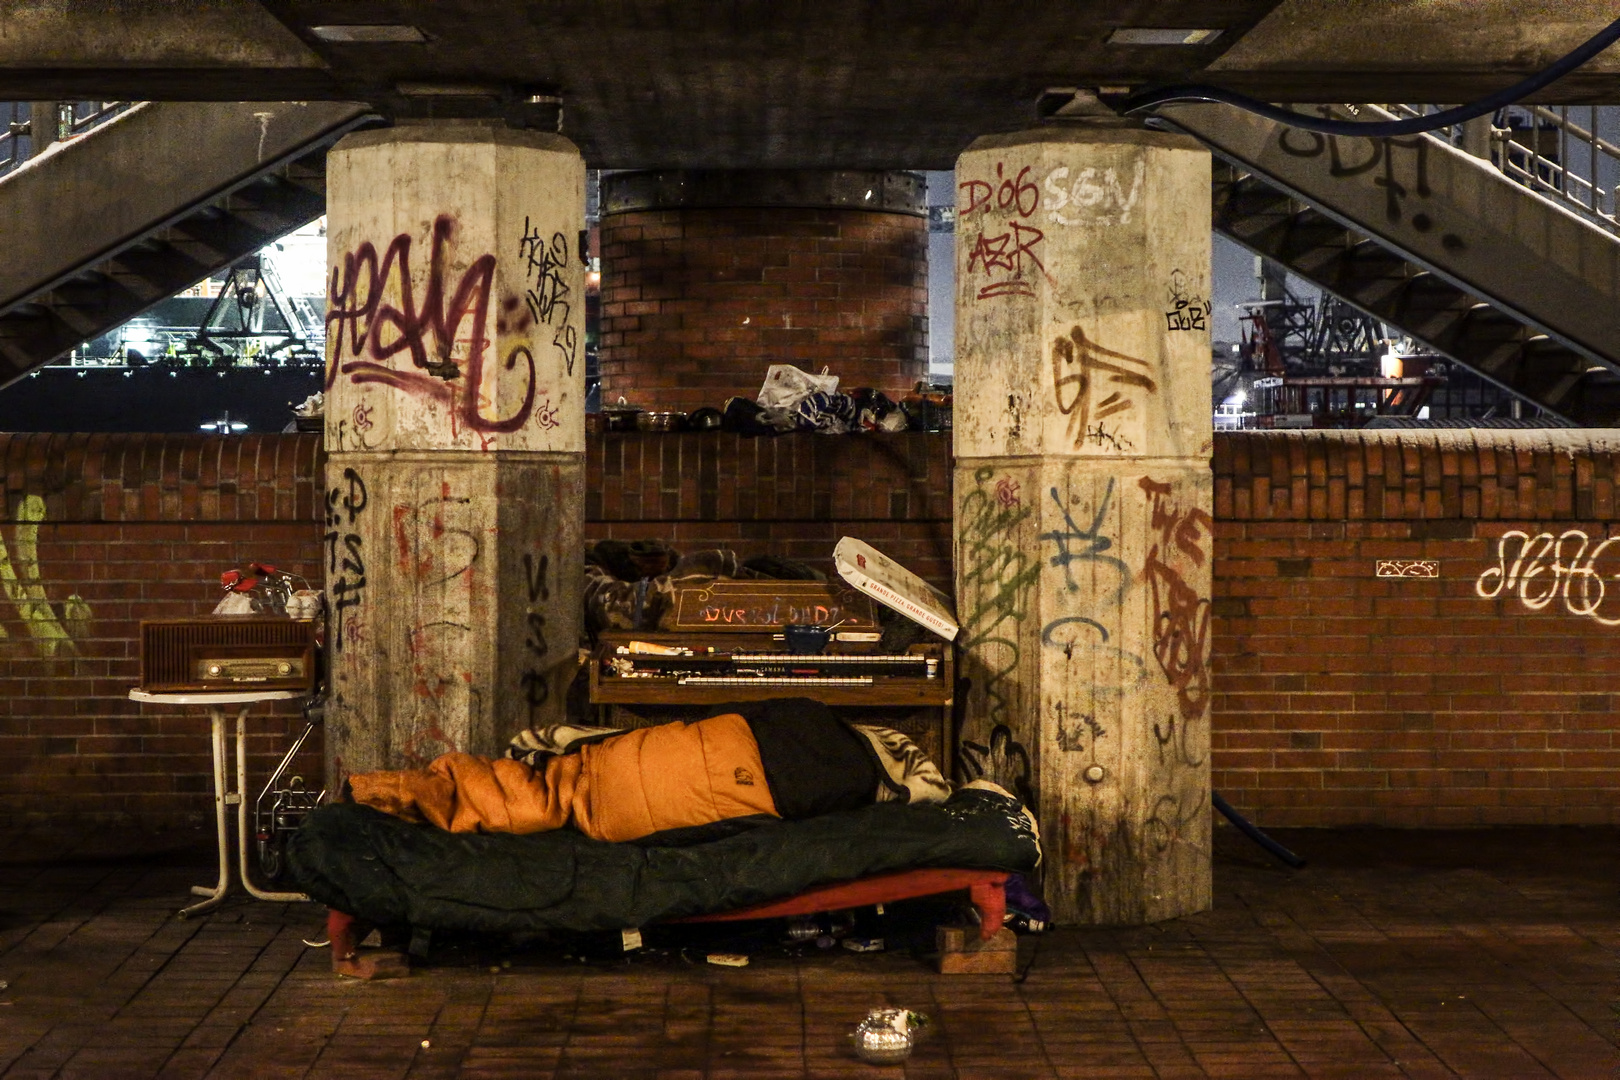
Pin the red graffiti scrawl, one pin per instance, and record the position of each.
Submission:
(374, 331)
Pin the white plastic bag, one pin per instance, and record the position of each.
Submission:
(786, 386)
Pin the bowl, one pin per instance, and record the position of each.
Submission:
(661, 421)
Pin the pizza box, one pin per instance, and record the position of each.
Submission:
(889, 583)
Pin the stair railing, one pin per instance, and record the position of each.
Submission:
(72, 119)
(14, 127)
(1548, 151)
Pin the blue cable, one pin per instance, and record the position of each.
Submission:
(1383, 129)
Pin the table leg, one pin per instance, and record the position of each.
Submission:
(216, 895)
(242, 818)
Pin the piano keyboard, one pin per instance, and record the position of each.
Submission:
(772, 680)
(829, 658)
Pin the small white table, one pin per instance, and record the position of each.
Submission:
(223, 797)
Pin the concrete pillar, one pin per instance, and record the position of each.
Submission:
(455, 438)
(709, 276)
(43, 122)
(1083, 496)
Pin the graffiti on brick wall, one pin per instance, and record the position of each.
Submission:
(1567, 571)
(24, 586)
(441, 329)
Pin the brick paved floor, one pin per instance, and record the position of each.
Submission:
(1425, 954)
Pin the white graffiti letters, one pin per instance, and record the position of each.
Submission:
(1567, 568)
(1094, 196)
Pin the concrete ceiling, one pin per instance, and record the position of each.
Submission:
(784, 83)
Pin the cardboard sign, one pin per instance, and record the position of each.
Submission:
(770, 605)
(880, 577)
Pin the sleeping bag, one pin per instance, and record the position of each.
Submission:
(787, 758)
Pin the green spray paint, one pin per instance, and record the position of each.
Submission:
(23, 587)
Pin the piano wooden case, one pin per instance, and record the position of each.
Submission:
(728, 646)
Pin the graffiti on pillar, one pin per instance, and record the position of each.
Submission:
(547, 293)
(345, 559)
(1567, 570)
(1188, 310)
(1092, 196)
(536, 679)
(1003, 243)
(1181, 617)
(442, 330)
(1001, 759)
(1089, 546)
(998, 576)
(1077, 732)
(24, 586)
(436, 539)
(1078, 366)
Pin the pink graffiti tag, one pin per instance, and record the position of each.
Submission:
(428, 333)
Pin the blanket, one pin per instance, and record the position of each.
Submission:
(392, 872)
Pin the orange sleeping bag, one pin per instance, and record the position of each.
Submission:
(622, 788)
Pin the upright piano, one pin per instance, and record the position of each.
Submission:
(726, 642)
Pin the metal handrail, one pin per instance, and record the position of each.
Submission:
(1551, 174)
(92, 114)
(73, 118)
(13, 129)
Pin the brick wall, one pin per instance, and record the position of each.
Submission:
(100, 532)
(792, 496)
(1476, 696)
(1341, 696)
(697, 302)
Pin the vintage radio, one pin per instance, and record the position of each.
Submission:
(228, 652)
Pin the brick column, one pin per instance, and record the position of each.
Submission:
(1083, 530)
(709, 276)
(455, 430)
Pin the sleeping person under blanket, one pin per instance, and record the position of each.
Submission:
(788, 758)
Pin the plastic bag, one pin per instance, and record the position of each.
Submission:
(786, 386)
(256, 589)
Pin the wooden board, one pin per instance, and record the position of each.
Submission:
(753, 606)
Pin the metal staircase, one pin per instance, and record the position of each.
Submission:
(104, 227)
(1435, 242)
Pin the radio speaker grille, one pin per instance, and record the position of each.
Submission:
(171, 649)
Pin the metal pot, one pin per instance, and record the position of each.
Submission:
(620, 417)
(706, 419)
(661, 421)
